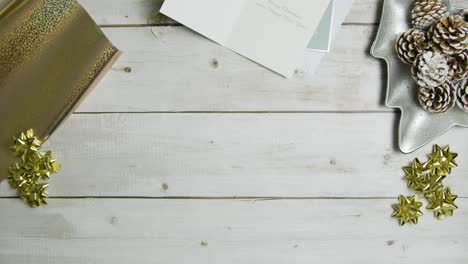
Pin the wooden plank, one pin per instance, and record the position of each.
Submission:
(118, 12)
(236, 155)
(124, 12)
(146, 12)
(226, 231)
(143, 12)
(172, 69)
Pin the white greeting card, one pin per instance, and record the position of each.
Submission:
(313, 58)
(322, 36)
(273, 33)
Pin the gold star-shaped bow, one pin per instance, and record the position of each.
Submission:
(45, 165)
(428, 179)
(407, 210)
(32, 168)
(432, 183)
(26, 144)
(34, 193)
(415, 175)
(441, 160)
(442, 202)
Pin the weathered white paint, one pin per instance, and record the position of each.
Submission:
(146, 231)
(274, 155)
(172, 70)
(286, 155)
(116, 12)
(141, 12)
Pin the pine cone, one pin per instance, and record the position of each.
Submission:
(410, 44)
(462, 94)
(450, 35)
(430, 69)
(439, 99)
(464, 14)
(428, 12)
(458, 66)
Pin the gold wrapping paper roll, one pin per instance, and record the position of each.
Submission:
(51, 54)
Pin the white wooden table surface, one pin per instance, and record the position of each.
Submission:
(189, 153)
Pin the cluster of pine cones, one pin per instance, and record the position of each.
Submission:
(437, 49)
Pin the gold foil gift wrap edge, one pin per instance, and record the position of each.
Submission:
(52, 55)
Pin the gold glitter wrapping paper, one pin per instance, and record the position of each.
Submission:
(51, 54)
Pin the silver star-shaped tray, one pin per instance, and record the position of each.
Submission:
(417, 127)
